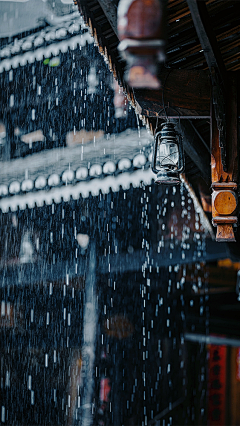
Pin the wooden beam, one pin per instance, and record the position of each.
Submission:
(195, 149)
(110, 11)
(187, 91)
(216, 66)
(207, 38)
(218, 174)
(212, 53)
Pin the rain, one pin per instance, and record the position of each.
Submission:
(108, 300)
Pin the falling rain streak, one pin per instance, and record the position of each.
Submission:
(102, 271)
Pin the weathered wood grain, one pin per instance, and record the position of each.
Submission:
(188, 91)
(224, 183)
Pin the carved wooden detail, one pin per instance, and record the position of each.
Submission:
(142, 35)
(225, 174)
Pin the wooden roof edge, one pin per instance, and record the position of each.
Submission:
(109, 55)
(112, 62)
(100, 39)
(117, 66)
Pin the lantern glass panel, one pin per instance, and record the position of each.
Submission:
(168, 156)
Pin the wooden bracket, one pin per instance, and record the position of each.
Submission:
(225, 175)
(224, 205)
(186, 91)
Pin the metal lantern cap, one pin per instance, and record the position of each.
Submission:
(168, 130)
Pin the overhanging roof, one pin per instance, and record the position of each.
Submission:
(201, 36)
(183, 50)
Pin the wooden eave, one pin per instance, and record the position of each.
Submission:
(184, 50)
(202, 37)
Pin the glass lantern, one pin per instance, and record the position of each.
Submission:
(168, 159)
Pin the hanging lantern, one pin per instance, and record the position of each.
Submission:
(168, 159)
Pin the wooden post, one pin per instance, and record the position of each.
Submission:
(234, 394)
(224, 183)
